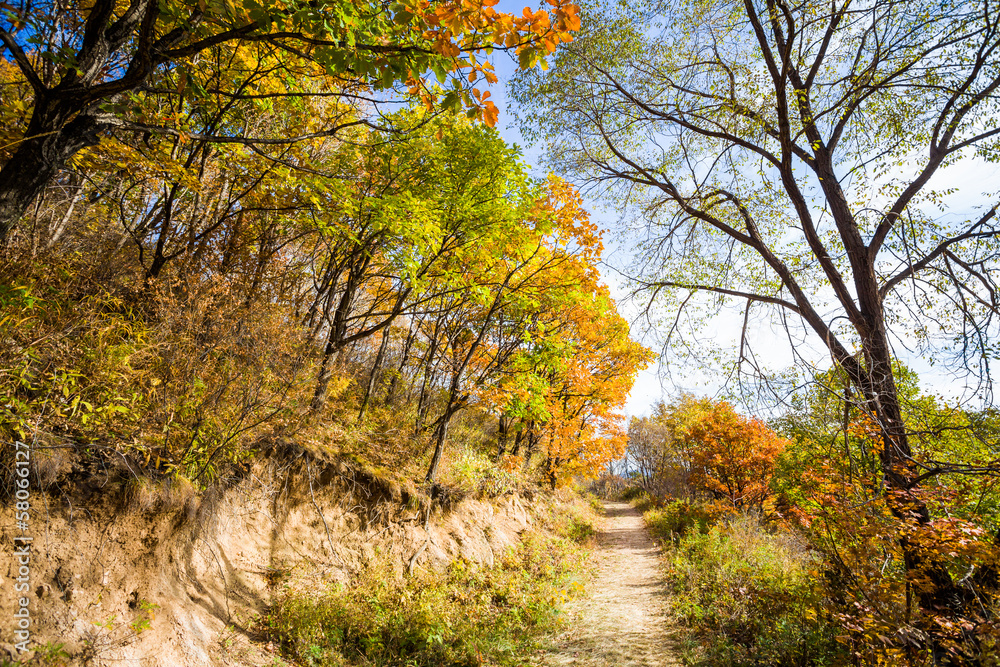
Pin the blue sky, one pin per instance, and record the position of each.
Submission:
(972, 176)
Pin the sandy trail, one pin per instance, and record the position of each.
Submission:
(623, 619)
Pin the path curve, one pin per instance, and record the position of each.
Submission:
(622, 621)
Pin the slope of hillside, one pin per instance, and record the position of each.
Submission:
(126, 572)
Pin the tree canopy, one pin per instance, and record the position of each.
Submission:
(74, 72)
(785, 160)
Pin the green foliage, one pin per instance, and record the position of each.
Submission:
(594, 502)
(580, 530)
(462, 616)
(78, 378)
(50, 654)
(680, 518)
(144, 617)
(634, 493)
(477, 474)
(750, 598)
(182, 384)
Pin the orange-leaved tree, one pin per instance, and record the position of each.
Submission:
(877, 561)
(562, 388)
(732, 456)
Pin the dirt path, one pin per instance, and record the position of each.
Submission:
(623, 619)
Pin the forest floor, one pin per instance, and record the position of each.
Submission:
(623, 619)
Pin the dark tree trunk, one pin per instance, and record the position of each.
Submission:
(929, 577)
(503, 428)
(62, 121)
(517, 440)
(440, 435)
(36, 162)
(532, 438)
(441, 432)
(323, 378)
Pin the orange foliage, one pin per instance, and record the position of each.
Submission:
(882, 554)
(731, 456)
(572, 373)
(459, 29)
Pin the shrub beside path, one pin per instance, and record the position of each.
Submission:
(623, 620)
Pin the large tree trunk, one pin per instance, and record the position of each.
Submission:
(61, 120)
(50, 143)
(935, 588)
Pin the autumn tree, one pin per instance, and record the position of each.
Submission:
(648, 453)
(732, 457)
(657, 446)
(825, 485)
(251, 176)
(503, 279)
(784, 159)
(566, 381)
(84, 67)
(587, 392)
(697, 445)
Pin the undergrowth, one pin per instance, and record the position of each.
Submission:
(466, 615)
(679, 518)
(749, 595)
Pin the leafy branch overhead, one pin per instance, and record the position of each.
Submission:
(86, 66)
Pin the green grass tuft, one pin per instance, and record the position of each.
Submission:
(463, 616)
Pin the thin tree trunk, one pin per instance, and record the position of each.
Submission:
(325, 374)
(517, 440)
(502, 429)
(57, 231)
(391, 391)
(371, 378)
(423, 402)
(441, 434)
(532, 441)
(551, 465)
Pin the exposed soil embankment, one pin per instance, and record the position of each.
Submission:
(132, 573)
